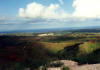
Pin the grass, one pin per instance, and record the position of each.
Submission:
(89, 47)
(38, 53)
(55, 47)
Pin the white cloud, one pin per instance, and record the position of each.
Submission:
(83, 9)
(36, 10)
(86, 8)
(61, 2)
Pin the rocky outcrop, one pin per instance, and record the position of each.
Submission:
(74, 66)
(67, 63)
(87, 67)
(56, 68)
(60, 64)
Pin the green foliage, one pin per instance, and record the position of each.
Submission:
(88, 47)
(36, 51)
(55, 47)
(14, 66)
(65, 68)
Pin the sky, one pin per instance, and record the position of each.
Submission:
(43, 14)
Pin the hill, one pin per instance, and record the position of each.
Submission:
(20, 52)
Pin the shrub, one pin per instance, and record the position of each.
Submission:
(65, 68)
(44, 68)
(57, 64)
(88, 48)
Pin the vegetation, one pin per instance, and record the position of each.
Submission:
(65, 68)
(44, 68)
(19, 52)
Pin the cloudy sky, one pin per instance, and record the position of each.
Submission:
(41, 14)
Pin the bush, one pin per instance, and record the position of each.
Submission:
(65, 68)
(57, 64)
(44, 68)
(88, 47)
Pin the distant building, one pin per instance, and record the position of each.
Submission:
(46, 34)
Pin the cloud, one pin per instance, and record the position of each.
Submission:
(36, 10)
(86, 9)
(61, 2)
(3, 18)
(83, 9)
